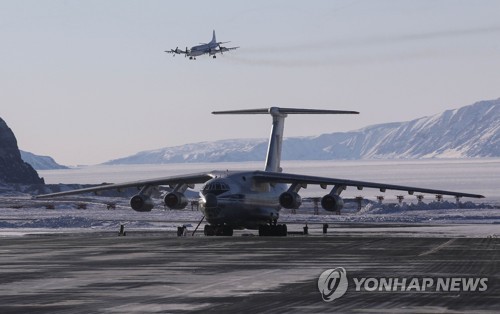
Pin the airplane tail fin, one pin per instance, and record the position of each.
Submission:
(213, 38)
(273, 158)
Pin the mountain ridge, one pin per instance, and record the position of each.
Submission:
(39, 162)
(467, 132)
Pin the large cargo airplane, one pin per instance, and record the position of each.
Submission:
(211, 48)
(251, 199)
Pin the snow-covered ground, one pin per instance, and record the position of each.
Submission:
(19, 214)
(22, 215)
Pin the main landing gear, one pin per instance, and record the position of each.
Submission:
(273, 229)
(223, 230)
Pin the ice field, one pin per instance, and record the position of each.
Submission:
(20, 214)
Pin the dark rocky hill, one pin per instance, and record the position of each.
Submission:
(12, 168)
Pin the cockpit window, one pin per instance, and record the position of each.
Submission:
(215, 188)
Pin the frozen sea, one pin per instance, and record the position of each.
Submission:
(479, 176)
(22, 215)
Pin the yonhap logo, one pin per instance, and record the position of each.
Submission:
(332, 284)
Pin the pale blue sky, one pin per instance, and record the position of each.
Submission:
(88, 81)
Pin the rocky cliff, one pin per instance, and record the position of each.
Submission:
(12, 168)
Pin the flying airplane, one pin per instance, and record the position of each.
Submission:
(251, 199)
(212, 49)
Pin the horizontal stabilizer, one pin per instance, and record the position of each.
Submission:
(276, 139)
(277, 110)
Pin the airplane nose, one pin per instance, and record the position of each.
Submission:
(210, 201)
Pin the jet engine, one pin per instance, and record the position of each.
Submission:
(332, 203)
(175, 200)
(290, 200)
(141, 203)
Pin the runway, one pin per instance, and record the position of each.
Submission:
(157, 272)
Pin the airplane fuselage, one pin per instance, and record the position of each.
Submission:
(211, 48)
(240, 201)
(199, 50)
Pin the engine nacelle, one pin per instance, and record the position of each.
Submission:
(290, 200)
(141, 203)
(332, 203)
(175, 200)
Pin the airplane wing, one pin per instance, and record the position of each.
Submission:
(277, 177)
(186, 179)
(229, 48)
(221, 50)
(177, 51)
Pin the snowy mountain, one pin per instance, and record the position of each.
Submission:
(470, 131)
(217, 151)
(40, 162)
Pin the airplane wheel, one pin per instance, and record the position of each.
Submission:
(280, 231)
(264, 230)
(273, 230)
(227, 231)
(284, 230)
(209, 230)
(220, 230)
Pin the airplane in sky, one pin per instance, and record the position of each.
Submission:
(212, 49)
(251, 199)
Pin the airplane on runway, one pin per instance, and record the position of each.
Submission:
(251, 199)
(212, 49)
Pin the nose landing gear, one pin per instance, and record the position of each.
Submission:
(273, 229)
(220, 230)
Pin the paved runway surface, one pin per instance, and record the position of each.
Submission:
(153, 272)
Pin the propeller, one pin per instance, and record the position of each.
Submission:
(222, 49)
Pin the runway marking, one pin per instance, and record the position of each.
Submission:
(437, 248)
